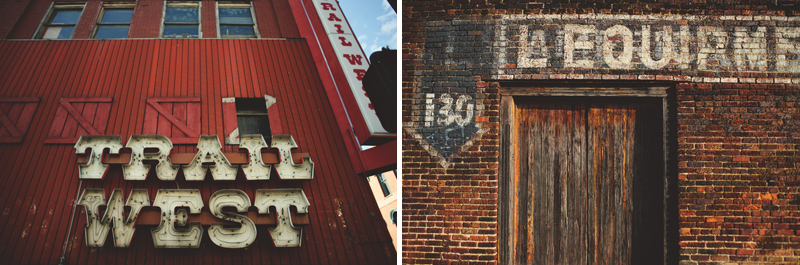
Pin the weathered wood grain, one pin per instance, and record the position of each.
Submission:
(591, 186)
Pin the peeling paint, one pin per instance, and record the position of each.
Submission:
(341, 214)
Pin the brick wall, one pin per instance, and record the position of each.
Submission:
(738, 176)
(736, 77)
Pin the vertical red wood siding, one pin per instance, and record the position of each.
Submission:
(311, 27)
(39, 182)
(176, 118)
(78, 116)
(15, 118)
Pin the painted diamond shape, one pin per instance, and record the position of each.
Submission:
(448, 125)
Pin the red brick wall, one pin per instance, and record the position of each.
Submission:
(87, 21)
(29, 20)
(739, 172)
(737, 119)
(146, 20)
(11, 12)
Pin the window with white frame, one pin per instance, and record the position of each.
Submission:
(114, 21)
(59, 24)
(181, 20)
(236, 20)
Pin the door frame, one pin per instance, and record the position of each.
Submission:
(511, 90)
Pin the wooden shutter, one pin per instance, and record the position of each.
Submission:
(176, 118)
(591, 187)
(79, 116)
(15, 118)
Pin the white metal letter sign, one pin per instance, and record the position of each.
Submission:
(181, 222)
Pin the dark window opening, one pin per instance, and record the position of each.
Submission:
(251, 114)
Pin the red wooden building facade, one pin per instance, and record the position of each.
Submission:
(54, 91)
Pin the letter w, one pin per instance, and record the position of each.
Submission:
(353, 59)
(97, 230)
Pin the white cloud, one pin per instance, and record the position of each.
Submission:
(386, 6)
(374, 29)
(388, 28)
(362, 38)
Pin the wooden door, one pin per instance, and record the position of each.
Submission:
(590, 181)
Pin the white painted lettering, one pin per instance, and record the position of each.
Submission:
(667, 47)
(686, 41)
(536, 40)
(712, 41)
(750, 49)
(582, 43)
(787, 49)
(461, 115)
(623, 61)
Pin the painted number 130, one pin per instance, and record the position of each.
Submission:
(461, 112)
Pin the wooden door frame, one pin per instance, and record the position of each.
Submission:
(511, 90)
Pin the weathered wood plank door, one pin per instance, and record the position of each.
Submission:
(589, 181)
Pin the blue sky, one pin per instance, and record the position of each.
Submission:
(374, 23)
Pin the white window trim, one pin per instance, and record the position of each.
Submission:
(53, 7)
(252, 15)
(178, 3)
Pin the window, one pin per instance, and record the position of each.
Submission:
(393, 215)
(251, 113)
(384, 186)
(181, 20)
(114, 21)
(59, 24)
(235, 20)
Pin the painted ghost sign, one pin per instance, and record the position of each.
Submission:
(460, 57)
(449, 120)
(642, 42)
